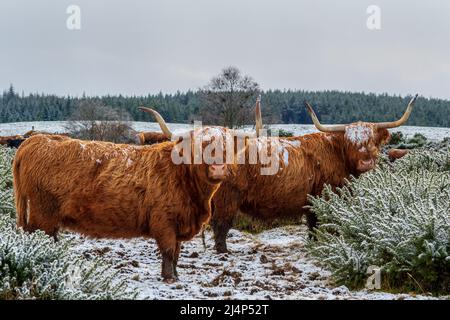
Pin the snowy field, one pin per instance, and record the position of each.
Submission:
(6, 129)
(269, 265)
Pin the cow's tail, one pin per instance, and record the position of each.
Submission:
(20, 198)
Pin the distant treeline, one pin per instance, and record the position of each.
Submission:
(277, 106)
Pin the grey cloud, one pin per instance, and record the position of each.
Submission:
(137, 47)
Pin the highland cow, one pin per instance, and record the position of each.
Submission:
(12, 141)
(308, 163)
(107, 190)
(395, 154)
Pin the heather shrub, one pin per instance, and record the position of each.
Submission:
(396, 217)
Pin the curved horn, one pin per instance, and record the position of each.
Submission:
(329, 128)
(400, 121)
(158, 119)
(258, 125)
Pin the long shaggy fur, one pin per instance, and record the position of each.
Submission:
(102, 189)
(314, 160)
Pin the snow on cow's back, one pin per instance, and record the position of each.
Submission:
(99, 152)
(214, 133)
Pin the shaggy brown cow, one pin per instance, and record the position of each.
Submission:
(17, 140)
(6, 141)
(102, 189)
(395, 154)
(308, 163)
(150, 137)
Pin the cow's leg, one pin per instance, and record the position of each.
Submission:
(175, 259)
(220, 227)
(226, 203)
(42, 210)
(167, 271)
(167, 244)
(221, 223)
(311, 222)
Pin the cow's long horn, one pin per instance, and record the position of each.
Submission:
(258, 116)
(400, 121)
(160, 121)
(328, 128)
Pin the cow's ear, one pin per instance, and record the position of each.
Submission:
(383, 136)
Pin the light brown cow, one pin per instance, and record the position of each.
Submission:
(329, 157)
(150, 137)
(395, 154)
(102, 189)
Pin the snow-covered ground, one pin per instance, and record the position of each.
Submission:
(270, 265)
(432, 133)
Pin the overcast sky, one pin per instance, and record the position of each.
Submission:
(139, 47)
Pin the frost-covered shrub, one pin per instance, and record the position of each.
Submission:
(396, 217)
(396, 138)
(34, 266)
(399, 141)
(6, 188)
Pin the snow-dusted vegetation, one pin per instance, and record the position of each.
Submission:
(397, 218)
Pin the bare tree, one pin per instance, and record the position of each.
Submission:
(229, 98)
(92, 120)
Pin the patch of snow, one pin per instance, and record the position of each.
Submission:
(286, 156)
(269, 265)
(358, 134)
(293, 143)
(129, 163)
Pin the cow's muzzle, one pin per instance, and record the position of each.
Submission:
(218, 171)
(365, 165)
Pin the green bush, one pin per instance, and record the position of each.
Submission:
(34, 266)
(396, 138)
(418, 139)
(280, 132)
(243, 222)
(395, 217)
(399, 141)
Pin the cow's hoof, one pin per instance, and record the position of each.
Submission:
(170, 280)
(220, 250)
